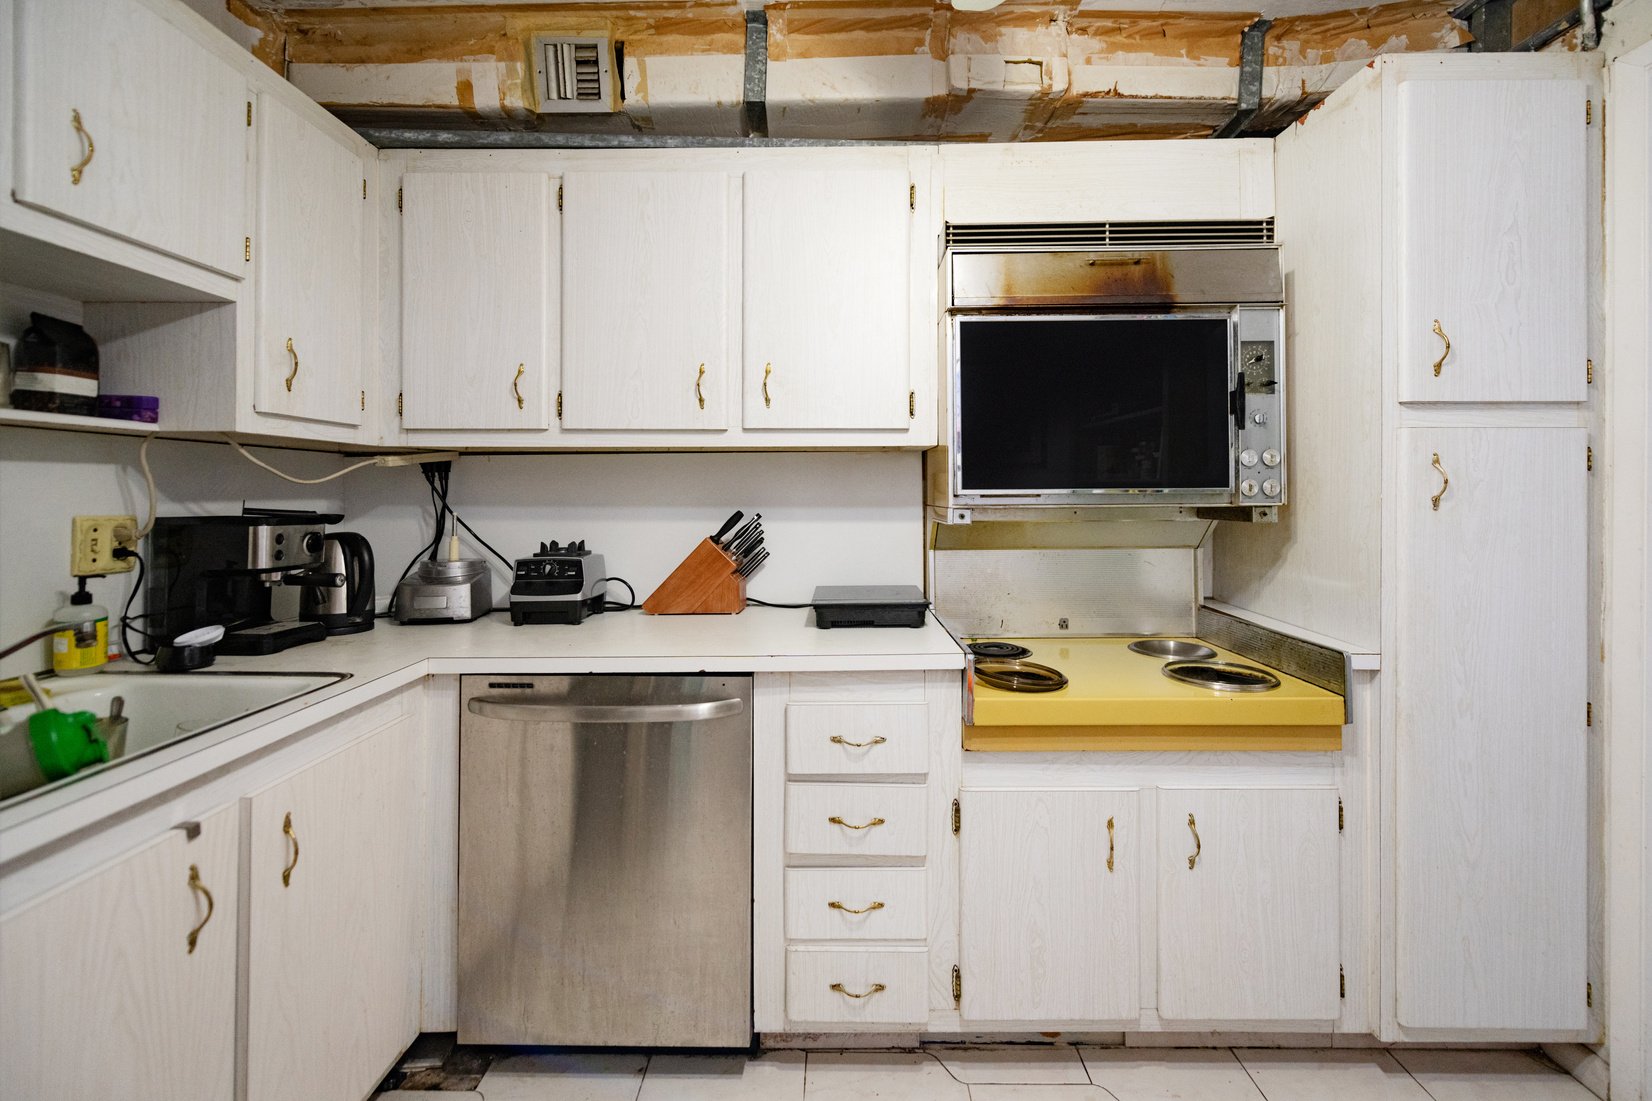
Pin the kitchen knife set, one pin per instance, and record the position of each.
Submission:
(712, 579)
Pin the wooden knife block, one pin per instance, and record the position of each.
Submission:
(703, 584)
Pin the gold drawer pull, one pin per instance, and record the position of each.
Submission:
(835, 905)
(1198, 846)
(516, 387)
(1109, 843)
(79, 167)
(287, 828)
(876, 988)
(836, 821)
(294, 372)
(699, 394)
(768, 369)
(1439, 332)
(841, 740)
(197, 886)
(1445, 482)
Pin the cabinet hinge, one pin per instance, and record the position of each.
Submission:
(398, 200)
(246, 250)
(364, 401)
(559, 405)
(1588, 112)
(911, 405)
(1589, 371)
(1342, 817)
(559, 196)
(1590, 458)
(398, 405)
(1589, 994)
(912, 196)
(957, 986)
(364, 188)
(249, 112)
(1589, 713)
(957, 817)
(1342, 983)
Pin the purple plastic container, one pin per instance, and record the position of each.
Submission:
(130, 407)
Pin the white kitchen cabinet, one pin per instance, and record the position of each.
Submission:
(827, 314)
(309, 257)
(648, 283)
(335, 881)
(857, 739)
(1491, 651)
(1049, 906)
(1492, 235)
(126, 124)
(122, 984)
(1248, 915)
(478, 299)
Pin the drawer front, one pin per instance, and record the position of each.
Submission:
(892, 900)
(855, 820)
(864, 739)
(813, 976)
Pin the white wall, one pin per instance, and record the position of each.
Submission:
(830, 518)
(48, 476)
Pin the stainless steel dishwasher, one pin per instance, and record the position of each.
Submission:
(605, 861)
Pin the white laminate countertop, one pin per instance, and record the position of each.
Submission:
(758, 640)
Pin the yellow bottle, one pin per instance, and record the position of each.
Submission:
(82, 646)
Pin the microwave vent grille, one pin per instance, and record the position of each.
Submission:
(1112, 235)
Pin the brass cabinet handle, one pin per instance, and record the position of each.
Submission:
(287, 872)
(841, 740)
(1109, 843)
(699, 395)
(1439, 332)
(1198, 845)
(79, 166)
(835, 905)
(516, 388)
(196, 885)
(836, 821)
(294, 372)
(876, 988)
(768, 369)
(1445, 482)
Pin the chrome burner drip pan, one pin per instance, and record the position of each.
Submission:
(1174, 648)
(1019, 676)
(1222, 676)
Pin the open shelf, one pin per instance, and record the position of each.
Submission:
(28, 418)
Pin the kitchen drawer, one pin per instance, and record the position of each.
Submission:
(857, 739)
(855, 819)
(902, 974)
(892, 897)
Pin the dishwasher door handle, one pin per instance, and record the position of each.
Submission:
(540, 709)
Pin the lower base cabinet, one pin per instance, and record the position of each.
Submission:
(122, 984)
(333, 895)
(1248, 915)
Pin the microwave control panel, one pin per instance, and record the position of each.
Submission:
(1260, 410)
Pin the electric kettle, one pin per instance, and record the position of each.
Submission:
(348, 608)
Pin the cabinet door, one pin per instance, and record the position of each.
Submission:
(646, 268)
(310, 262)
(1049, 905)
(105, 996)
(333, 921)
(826, 299)
(1491, 652)
(128, 125)
(1492, 212)
(479, 267)
(1248, 904)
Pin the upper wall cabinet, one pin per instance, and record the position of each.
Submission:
(478, 299)
(309, 257)
(647, 283)
(1492, 231)
(828, 319)
(126, 124)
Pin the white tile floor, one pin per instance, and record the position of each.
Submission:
(1029, 1074)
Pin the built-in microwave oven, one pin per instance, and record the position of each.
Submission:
(1112, 377)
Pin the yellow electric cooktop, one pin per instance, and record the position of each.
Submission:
(1117, 699)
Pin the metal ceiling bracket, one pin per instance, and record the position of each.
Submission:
(757, 74)
(1252, 56)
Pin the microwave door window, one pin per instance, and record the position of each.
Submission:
(1093, 404)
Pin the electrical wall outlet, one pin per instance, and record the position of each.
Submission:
(92, 550)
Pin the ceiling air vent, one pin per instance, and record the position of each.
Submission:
(574, 75)
(1111, 235)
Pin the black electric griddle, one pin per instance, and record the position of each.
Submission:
(869, 606)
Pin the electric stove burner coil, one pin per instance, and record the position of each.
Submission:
(998, 650)
(1019, 676)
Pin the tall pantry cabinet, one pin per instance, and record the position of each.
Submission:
(1434, 223)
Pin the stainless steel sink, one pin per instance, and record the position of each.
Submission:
(1174, 648)
(1223, 676)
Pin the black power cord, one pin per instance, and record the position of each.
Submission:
(766, 604)
(614, 605)
(126, 616)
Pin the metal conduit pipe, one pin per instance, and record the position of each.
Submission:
(1591, 24)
